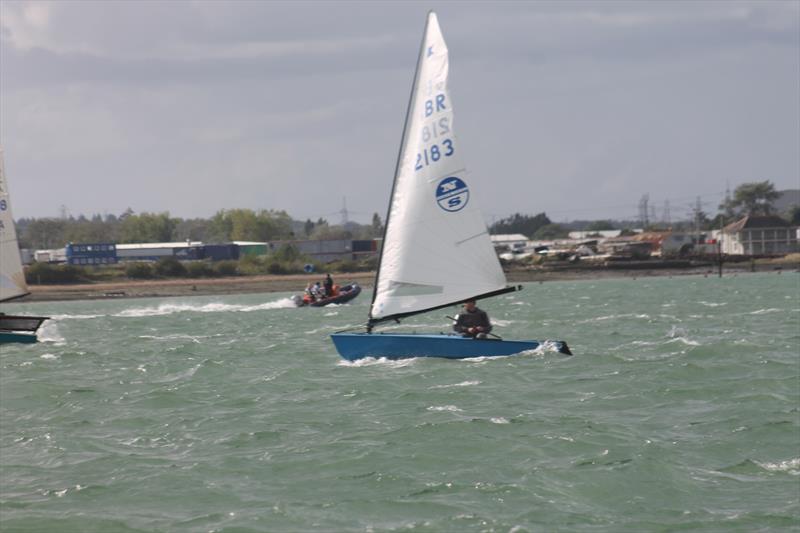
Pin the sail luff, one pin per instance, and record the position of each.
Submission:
(398, 163)
(12, 276)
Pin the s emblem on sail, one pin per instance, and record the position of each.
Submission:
(452, 194)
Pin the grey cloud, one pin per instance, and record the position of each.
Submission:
(197, 106)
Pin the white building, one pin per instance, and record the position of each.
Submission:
(603, 234)
(510, 241)
(759, 235)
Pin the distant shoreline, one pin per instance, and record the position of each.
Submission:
(297, 282)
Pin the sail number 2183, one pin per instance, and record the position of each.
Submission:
(433, 153)
(435, 130)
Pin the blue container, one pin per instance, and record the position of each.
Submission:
(221, 252)
(95, 253)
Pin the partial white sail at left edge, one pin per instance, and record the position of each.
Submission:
(12, 276)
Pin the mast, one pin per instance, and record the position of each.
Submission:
(409, 110)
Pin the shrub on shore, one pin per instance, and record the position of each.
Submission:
(200, 269)
(226, 268)
(139, 271)
(169, 267)
(286, 262)
(38, 273)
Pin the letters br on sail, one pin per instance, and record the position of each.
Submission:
(436, 248)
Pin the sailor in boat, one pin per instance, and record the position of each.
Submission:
(328, 284)
(473, 322)
(317, 292)
(308, 294)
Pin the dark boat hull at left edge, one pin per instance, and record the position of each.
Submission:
(19, 329)
(354, 346)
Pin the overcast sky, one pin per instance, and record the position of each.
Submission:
(572, 108)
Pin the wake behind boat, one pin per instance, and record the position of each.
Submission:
(436, 249)
(20, 329)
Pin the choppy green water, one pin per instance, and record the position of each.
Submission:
(679, 411)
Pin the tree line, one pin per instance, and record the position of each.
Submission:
(225, 226)
(270, 225)
(748, 199)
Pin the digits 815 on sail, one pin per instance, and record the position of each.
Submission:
(435, 133)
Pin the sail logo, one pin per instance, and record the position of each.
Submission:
(452, 194)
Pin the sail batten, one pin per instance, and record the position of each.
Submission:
(12, 276)
(436, 248)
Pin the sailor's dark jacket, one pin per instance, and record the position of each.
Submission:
(467, 319)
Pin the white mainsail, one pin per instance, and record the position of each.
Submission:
(436, 248)
(12, 277)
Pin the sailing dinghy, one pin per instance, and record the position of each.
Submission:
(436, 248)
(12, 277)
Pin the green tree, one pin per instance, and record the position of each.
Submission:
(752, 198)
(148, 227)
(377, 225)
(44, 233)
(308, 227)
(794, 215)
(193, 229)
(91, 230)
(327, 232)
(248, 225)
(517, 223)
(551, 231)
(600, 225)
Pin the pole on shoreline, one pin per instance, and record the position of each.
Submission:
(719, 248)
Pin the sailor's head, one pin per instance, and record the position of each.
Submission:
(469, 305)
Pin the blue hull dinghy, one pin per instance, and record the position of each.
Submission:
(8, 337)
(19, 329)
(436, 251)
(354, 346)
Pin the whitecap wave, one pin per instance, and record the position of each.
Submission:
(176, 336)
(214, 307)
(49, 333)
(447, 408)
(371, 361)
(791, 466)
(614, 317)
(462, 384)
(74, 317)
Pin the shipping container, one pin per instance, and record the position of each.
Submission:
(158, 250)
(221, 252)
(96, 253)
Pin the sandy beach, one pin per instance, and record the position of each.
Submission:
(297, 282)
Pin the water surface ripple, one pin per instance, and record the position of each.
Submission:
(679, 411)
